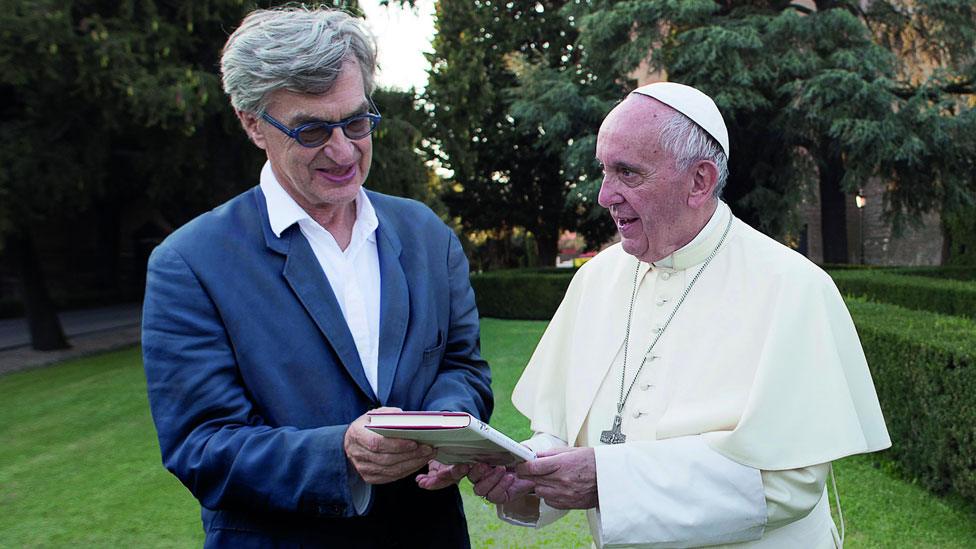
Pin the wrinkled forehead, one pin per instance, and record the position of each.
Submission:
(636, 121)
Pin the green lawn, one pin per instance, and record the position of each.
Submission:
(79, 466)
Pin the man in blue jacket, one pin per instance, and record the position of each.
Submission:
(273, 323)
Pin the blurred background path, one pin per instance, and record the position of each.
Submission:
(88, 331)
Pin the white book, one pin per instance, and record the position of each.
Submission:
(458, 437)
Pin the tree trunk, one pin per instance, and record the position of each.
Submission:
(42, 318)
(833, 211)
(547, 244)
(946, 241)
(108, 247)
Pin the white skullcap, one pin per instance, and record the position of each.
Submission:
(692, 103)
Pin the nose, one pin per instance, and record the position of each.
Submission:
(608, 196)
(340, 149)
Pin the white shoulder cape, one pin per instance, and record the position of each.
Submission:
(772, 373)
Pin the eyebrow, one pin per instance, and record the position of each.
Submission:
(617, 165)
(300, 117)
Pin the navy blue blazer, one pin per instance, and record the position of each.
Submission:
(253, 375)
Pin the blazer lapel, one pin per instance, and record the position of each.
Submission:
(394, 305)
(308, 281)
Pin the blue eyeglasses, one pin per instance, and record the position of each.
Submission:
(314, 134)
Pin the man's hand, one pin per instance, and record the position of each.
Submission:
(564, 477)
(498, 484)
(378, 459)
(440, 476)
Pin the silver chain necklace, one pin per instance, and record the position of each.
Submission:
(614, 436)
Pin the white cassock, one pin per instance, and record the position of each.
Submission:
(755, 387)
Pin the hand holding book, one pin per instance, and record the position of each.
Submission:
(386, 459)
(457, 436)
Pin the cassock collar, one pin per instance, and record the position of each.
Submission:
(697, 251)
(283, 211)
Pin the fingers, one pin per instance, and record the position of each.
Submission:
(478, 471)
(380, 460)
(488, 481)
(375, 473)
(441, 476)
(565, 479)
(499, 493)
(499, 485)
(555, 451)
(539, 467)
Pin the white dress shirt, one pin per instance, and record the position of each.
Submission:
(353, 273)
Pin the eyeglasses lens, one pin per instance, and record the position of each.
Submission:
(358, 128)
(316, 135)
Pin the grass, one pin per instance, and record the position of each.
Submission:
(79, 462)
(79, 466)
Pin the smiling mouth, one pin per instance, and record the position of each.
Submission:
(339, 174)
(625, 222)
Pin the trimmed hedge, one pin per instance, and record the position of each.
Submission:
(924, 369)
(951, 297)
(527, 294)
(954, 272)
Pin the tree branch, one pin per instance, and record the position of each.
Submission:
(801, 8)
(964, 87)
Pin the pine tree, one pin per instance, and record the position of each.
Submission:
(507, 175)
(826, 95)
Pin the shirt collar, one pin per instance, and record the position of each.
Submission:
(283, 211)
(698, 250)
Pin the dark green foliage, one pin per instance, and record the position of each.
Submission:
(398, 166)
(954, 272)
(529, 294)
(951, 297)
(110, 107)
(924, 369)
(504, 145)
(106, 103)
(959, 229)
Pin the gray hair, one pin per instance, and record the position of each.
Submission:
(689, 143)
(299, 49)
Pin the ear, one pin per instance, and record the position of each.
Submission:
(704, 175)
(251, 124)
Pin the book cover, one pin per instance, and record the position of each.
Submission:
(457, 436)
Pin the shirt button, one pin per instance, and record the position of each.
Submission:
(665, 275)
(646, 386)
(656, 330)
(661, 301)
(637, 414)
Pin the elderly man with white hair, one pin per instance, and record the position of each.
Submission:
(699, 377)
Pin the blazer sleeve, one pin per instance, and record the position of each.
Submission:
(463, 381)
(210, 435)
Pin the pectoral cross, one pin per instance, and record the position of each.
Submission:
(613, 436)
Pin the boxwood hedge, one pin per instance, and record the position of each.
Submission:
(924, 368)
(951, 297)
(520, 293)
